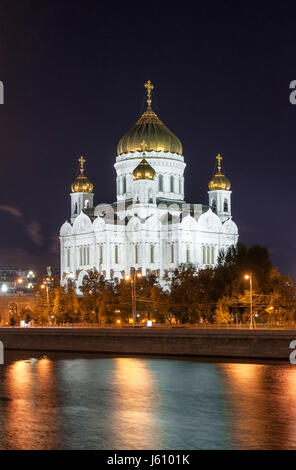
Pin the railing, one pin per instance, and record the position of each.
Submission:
(203, 326)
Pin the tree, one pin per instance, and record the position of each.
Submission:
(98, 298)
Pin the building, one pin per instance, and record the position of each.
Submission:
(13, 279)
(150, 227)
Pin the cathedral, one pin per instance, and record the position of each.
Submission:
(150, 228)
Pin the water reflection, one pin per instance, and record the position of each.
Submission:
(135, 407)
(75, 402)
(30, 420)
(262, 404)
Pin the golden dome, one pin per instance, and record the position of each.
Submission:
(219, 181)
(149, 133)
(144, 171)
(82, 184)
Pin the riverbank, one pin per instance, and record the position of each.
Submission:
(259, 344)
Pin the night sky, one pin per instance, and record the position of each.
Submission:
(73, 73)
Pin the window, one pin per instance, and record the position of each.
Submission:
(187, 254)
(214, 205)
(84, 255)
(68, 257)
(150, 196)
(172, 253)
(151, 254)
(225, 206)
(86, 204)
(172, 184)
(212, 255)
(160, 183)
(116, 254)
(180, 185)
(124, 185)
(208, 254)
(136, 254)
(75, 208)
(101, 254)
(204, 260)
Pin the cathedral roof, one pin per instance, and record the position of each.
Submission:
(144, 171)
(219, 180)
(81, 183)
(149, 133)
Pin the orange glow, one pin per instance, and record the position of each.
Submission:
(20, 281)
(118, 321)
(29, 385)
(42, 286)
(135, 405)
(247, 276)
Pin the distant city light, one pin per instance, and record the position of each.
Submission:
(4, 288)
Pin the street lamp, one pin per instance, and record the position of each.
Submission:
(132, 277)
(250, 278)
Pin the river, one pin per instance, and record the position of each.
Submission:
(66, 401)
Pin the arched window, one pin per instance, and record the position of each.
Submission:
(160, 183)
(116, 254)
(172, 253)
(188, 254)
(150, 197)
(172, 184)
(86, 204)
(124, 185)
(151, 254)
(68, 257)
(225, 206)
(75, 208)
(136, 254)
(101, 254)
(214, 205)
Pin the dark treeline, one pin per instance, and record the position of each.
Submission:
(219, 295)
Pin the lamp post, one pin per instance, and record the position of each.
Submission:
(250, 278)
(132, 277)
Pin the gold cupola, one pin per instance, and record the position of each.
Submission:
(82, 184)
(219, 180)
(144, 171)
(149, 133)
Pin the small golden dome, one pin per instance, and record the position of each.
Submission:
(219, 181)
(149, 133)
(82, 184)
(144, 171)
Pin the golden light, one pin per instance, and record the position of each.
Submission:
(127, 278)
(139, 275)
(130, 320)
(20, 281)
(118, 321)
(42, 286)
(247, 276)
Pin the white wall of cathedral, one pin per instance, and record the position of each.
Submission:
(169, 174)
(145, 245)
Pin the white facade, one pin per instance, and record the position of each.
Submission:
(149, 228)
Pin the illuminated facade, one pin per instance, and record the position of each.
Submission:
(150, 227)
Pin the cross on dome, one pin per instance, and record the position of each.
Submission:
(149, 87)
(219, 159)
(81, 161)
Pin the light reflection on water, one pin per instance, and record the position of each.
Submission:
(87, 402)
